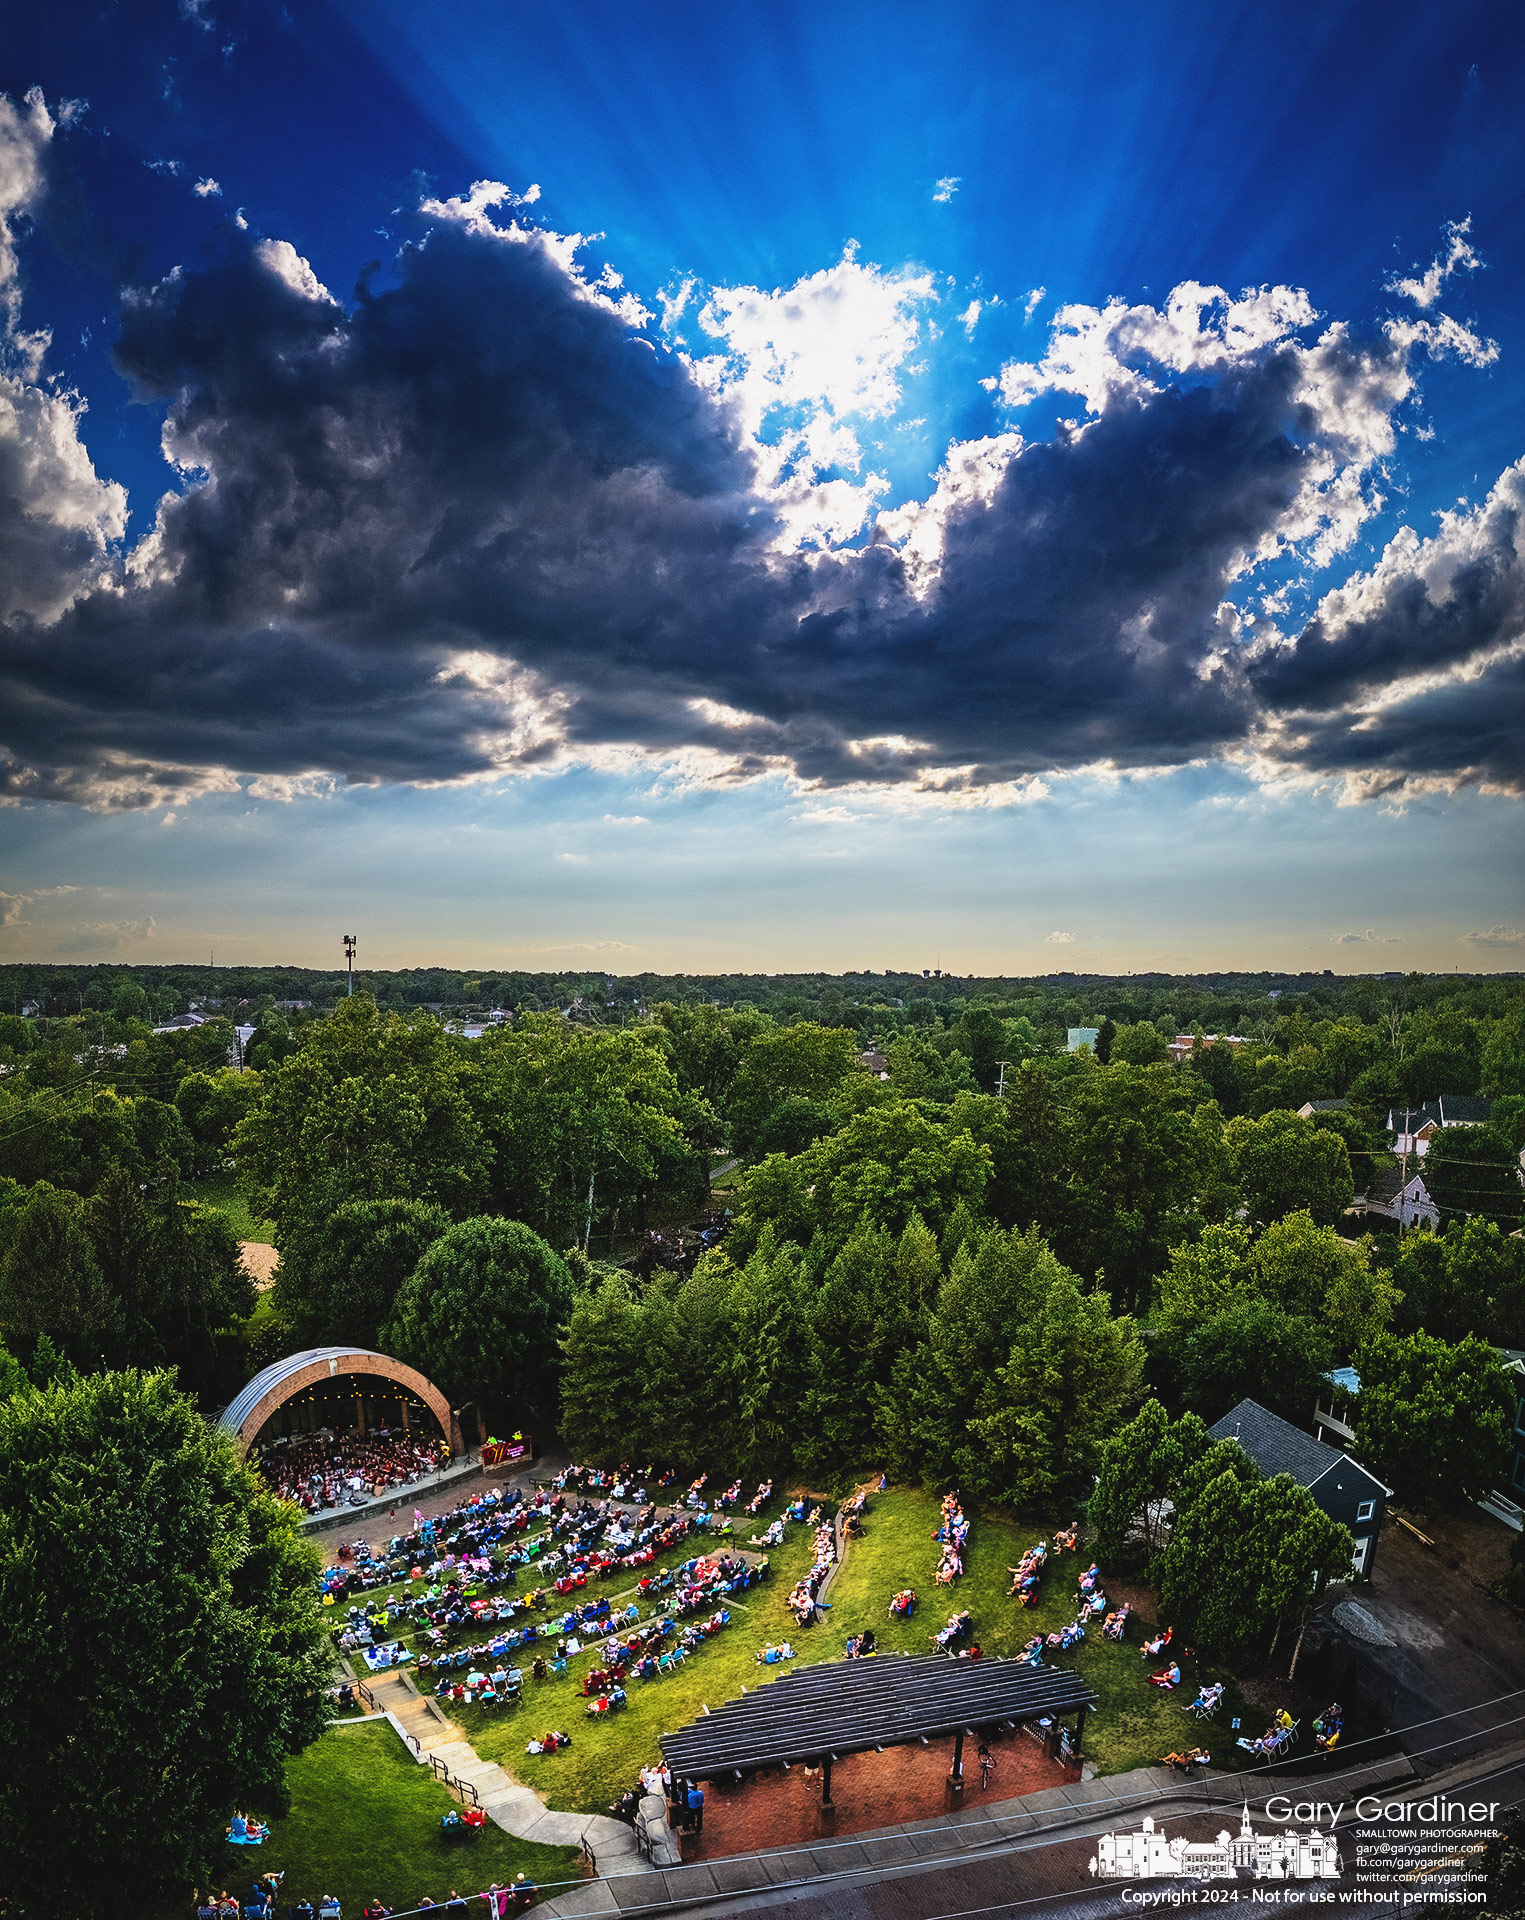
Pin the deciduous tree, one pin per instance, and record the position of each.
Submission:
(482, 1314)
(164, 1651)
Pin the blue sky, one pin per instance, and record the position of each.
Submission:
(1021, 488)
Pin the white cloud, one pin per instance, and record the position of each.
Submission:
(57, 517)
(1349, 393)
(1458, 257)
(1497, 937)
(1033, 301)
(946, 187)
(1369, 938)
(169, 168)
(829, 350)
(283, 260)
(969, 319)
(12, 906)
(207, 189)
(626, 820)
(1061, 940)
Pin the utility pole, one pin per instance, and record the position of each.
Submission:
(349, 960)
(1000, 1085)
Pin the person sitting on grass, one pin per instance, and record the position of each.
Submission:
(1152, 1649)
(1192, 1757)
(1166, 1677)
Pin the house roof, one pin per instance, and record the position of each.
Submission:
(1386, 1182)
(1330, 1106)
(848, 1706)
(1463, 1110)
(1411, 1119)
(1274, 1444)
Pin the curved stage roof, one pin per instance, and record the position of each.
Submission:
(248, 1397)
(253, 1405)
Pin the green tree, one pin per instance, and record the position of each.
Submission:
(164, 1650)
(50, 1280)
(1255, 1351)
(803, 1060)
(1206, 1277)
(991, 1290)
(1139, 1468)
(339, 1276)
(1471, 1279)
(211, 1105)
(603, 1361)
(1142, 1045)
(885, 1166)
(1433, 1420)
(585, 1119)
(1475, 1170)
(1285, 1164)
(1245, 1557)
(482, 1315)
(1132, 1175)
(370, 1107)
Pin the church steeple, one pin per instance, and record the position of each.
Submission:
(1246, 1831)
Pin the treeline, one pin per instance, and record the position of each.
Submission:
(371, 1138)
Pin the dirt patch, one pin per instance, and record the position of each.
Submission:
(1468, 1542)
(260, 1260)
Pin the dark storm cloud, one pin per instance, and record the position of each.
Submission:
(476, 519)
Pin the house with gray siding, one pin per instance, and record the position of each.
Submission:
(1341, 1486)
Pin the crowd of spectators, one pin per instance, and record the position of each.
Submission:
(337, 1470)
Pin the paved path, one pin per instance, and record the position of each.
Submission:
(516, 1808)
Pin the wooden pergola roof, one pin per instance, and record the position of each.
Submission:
(849, 1706)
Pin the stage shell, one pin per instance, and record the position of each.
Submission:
(249, 1411)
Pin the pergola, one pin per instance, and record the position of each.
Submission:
(819, 1714)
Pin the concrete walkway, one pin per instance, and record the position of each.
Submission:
(517, 1809)
(1035, 1819)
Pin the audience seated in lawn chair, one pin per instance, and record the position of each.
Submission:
(1067, 1637)
(1152, 1649)
(1116, 1623)
(1207, 1702)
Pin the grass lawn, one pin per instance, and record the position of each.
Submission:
(607, 1753)
(222, 1191)
(364, 1824)
(1134, 1725)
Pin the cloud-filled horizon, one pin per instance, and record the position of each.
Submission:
(488, 503)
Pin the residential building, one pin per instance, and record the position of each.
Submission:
(1310, 1107)
(874, 1063)
(1413, 1128)
(1406, 1201)
(1183, 1044)
(1340, 1485)
(1334, 1409)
